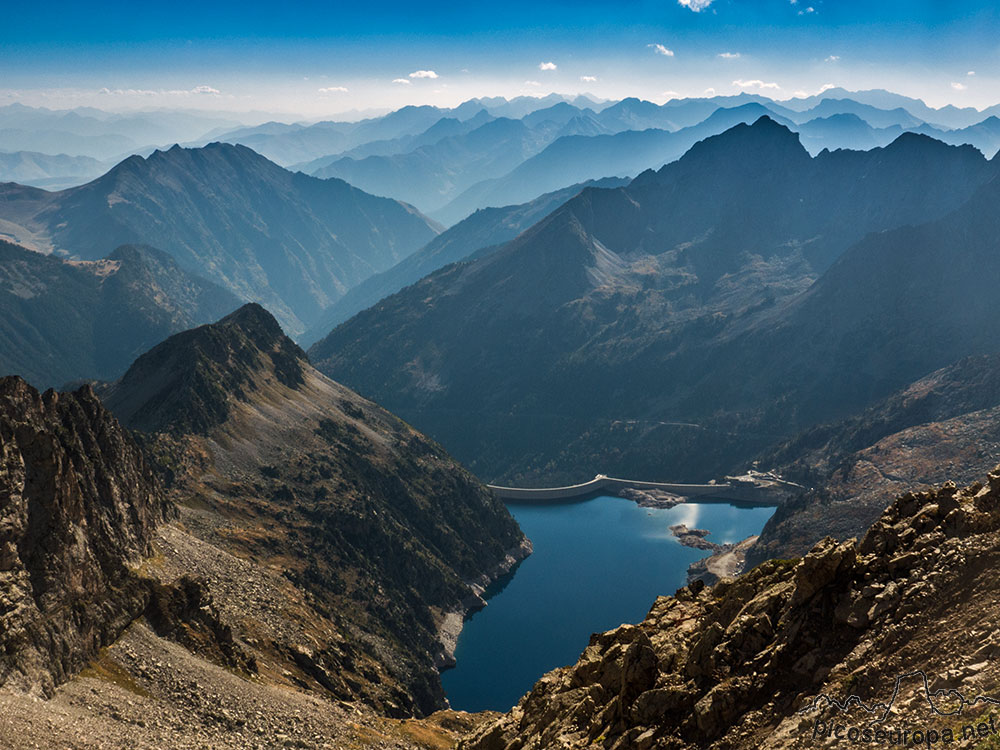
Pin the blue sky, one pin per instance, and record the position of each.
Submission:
(320, 58)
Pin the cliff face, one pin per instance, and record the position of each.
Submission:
(77, 504)
(741, 664)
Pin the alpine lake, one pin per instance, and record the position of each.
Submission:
(597, 563)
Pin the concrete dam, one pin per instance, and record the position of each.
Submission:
(756, 487)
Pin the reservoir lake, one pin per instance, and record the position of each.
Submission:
(596, 564)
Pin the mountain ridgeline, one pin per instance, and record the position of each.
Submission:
(478, 234)
(668, 329)
(292, 242)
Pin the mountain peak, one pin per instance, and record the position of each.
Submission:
(191, 381)
(745, 148)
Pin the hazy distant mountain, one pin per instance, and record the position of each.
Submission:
(877, 118)
(101, 135)
(476, 235)
(50, 172)
(520, 106)
(443, 128)
(294, 144)
(295, 243)
(983, 135)
(299, 144)
(948, 116)
(574, 159)
(104, 146)
(431, 175)
(62, 321)
(600, 335)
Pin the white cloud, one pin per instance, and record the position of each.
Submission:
(971, 73)
(532, 83)
(696, 5)
(196, 91)
(805, 94)
(959, 86)
(129, 92)
(755, 84)
(729, 55)
(832, 58)
(423, 74)
(401, 80)
(661, 50)
(709, 92)
(671, 95)
(333, 90)
(807, 11)
(588, 79)
(547, 66)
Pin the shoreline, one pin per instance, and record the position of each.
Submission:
(453, 620)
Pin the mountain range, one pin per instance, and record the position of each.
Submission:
(218, 540)
(478, 234)
(296, 243)
(694, 295)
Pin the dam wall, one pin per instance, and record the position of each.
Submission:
(600, 484)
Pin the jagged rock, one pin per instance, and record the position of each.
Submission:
(78, 504)
(184, 611)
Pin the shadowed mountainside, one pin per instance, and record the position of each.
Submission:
(292, 242)
(480, 233)
(63, 321)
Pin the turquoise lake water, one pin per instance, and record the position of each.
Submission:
(597, 564)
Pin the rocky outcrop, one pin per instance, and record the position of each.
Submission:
(183, 611)
(78, 504)
(730, 666)
(190, 383)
